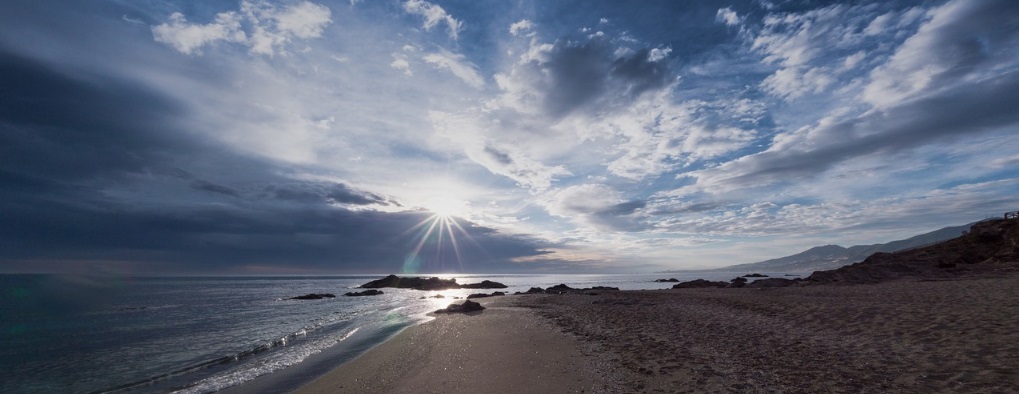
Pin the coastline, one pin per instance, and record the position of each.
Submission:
(900, 336)
(503, 349)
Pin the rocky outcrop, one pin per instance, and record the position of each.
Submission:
(483, 295)
(485, 284)
(313, 296)
(372, 292)
(433, 283)
(990, 248)
(699, 284)
(773, 282)
(667, 280)
(755, 275)
(562, 288)
(467, 306)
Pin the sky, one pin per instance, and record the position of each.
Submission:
(407, 136)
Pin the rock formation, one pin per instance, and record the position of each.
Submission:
(433, 283)
(467, 306)
(372, 292)
(313, 296)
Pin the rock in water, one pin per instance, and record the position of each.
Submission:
(372, 292)
(485, 284)
(467, 306)
(433, 283)
(313, 296)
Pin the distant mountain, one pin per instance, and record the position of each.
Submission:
(829, 257)
(988, 249)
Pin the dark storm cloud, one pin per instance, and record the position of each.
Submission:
(591, 73)
(94, 169)
(60, 128)
(308, 192)
(970, 109)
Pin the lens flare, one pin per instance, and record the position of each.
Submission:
(443, 231)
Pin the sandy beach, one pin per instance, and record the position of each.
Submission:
(900, 336)
(503, 349)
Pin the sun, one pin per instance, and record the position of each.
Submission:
(446, 207)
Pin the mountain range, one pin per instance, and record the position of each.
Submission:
(829, 257)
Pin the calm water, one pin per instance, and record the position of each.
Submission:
(113, 334)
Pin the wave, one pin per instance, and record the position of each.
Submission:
(244, 355)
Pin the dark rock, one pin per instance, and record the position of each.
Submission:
(467, 306)
(485, 284)
(699, 283)
(535, 290)
(371, 292)
(773, 282)
(667, 280)
(438, 296)
(433, 283)
(558, 289)
(483, 295)
(755, 275)
(738, 282)
(313, 296)
(601, 288)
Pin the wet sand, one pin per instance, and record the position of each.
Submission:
(503, 349)
(904, 336)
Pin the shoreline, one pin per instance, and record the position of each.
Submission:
(898, 336)
(494, 351)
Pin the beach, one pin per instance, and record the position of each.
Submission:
(906, 335)
(503, 349)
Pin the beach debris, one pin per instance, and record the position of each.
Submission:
(433, 283)
(372, 292)
(313, 296)
(467, 306)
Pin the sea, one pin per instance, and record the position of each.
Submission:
(116, 334)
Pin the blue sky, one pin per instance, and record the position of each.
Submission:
(412, 136)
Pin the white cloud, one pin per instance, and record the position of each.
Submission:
(434, 14)
(400, 63)
(656, 54)
(853, 60)
(955, 45)
(793, 82)
(595, 206)
(728, 16)
(262, 26)
(524, 27)
(458, 65)
(468, 132)
(190, 38)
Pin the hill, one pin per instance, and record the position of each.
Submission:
(990, 247)
(829, 257)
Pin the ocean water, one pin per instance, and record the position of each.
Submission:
(106, 334)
